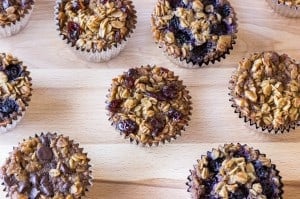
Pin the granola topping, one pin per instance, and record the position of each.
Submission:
(13, 10)
(46, 166)
(235, 171)
(96, 24)
(290, 2)
(266, 89)
(15, 87)
(148, 105)
(196, 30)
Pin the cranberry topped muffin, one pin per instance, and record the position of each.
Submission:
(235, 171)
(14, 16)
(194, 32)
(149, 105)
(15, 87)
(97, 30)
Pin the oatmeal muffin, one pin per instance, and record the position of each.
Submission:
(288, 8)
(46, 166)
(15, 87)
(194, 32)
(149, 105)
(265, 90)
(14, 16)
(235, 171)
(96, 30)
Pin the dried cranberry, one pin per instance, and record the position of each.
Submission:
(114, 105)
(8, 106)
(74, 31)
(175, 115)
(127, 126)
(130, 77)
(157, 125)
(170, 91)
(13, 71)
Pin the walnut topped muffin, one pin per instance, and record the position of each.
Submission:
(265, 89)
(95, 26)
(149, 105)
(46, 166)
(14, 16)
(15, 87)
(287, 8)
(235, 171)
(194, 32)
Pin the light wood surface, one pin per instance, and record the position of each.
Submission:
(69, 97)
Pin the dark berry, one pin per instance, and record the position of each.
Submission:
(158, 95)
(74, 31)
(219, 29)
(262, 172)
(130, 78)
(157, 125)
(210, 2)
(13, 71)
(268, 189)
(114, 105)
(174, 24)
(183, 36)
(127, 126)
(225, 10)
(242, 153)
(215, 165)
(209, 184)
(132, 73)
(8, 106)
(199, 52)
(176, 3)
(241, 193)
(175, 115)
(170, 91)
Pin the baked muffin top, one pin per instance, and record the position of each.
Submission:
(266, 89)
(195, 30)
(95, 25)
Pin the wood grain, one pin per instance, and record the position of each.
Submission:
(69, 96)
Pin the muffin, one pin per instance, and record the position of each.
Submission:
(235, 171)
(287, 8)
(14, 16)
(95, 30)
(46, 166)
(194, 32)
(15, 85)
(148, 105)
(265, 91)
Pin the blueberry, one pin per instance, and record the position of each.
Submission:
(215, 165)
(13, 71)
(114, 105)
(170, 91)
(130, 78)
(174, 24)
(209, 184)
(8, 106)
(199, 52)
(268, 189)
(225, 10)
(74, 31)
(175, 115)
(127, 126)
(261, 171)
(132, 73)
(210, 2)
(157, 125)
(176, 3)
(241, 193)
(219, 29)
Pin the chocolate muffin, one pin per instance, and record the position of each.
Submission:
(149, 105)
(15, 85)
(235, 171)
(14, 16)
(46, 166)
(265, 91)
(194, 32)
(95, 30)
(287, 8)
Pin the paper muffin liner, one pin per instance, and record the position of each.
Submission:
(163, 139)
(15, 27)
(94, 55)
(10, 125)
(191, 188)
(90, 171)
(283, 9)
(253, 125)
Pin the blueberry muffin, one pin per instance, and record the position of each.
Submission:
(287, 8)
(235, 171)
(14, 16)
(265, 91)
(46, 166)
(194, 32)
(96, 30)
(148, 105)
(15, 85)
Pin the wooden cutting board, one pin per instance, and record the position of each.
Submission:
(69, 97)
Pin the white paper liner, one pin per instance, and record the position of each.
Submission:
(16, 27)
(14, 122)
(283, 9)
